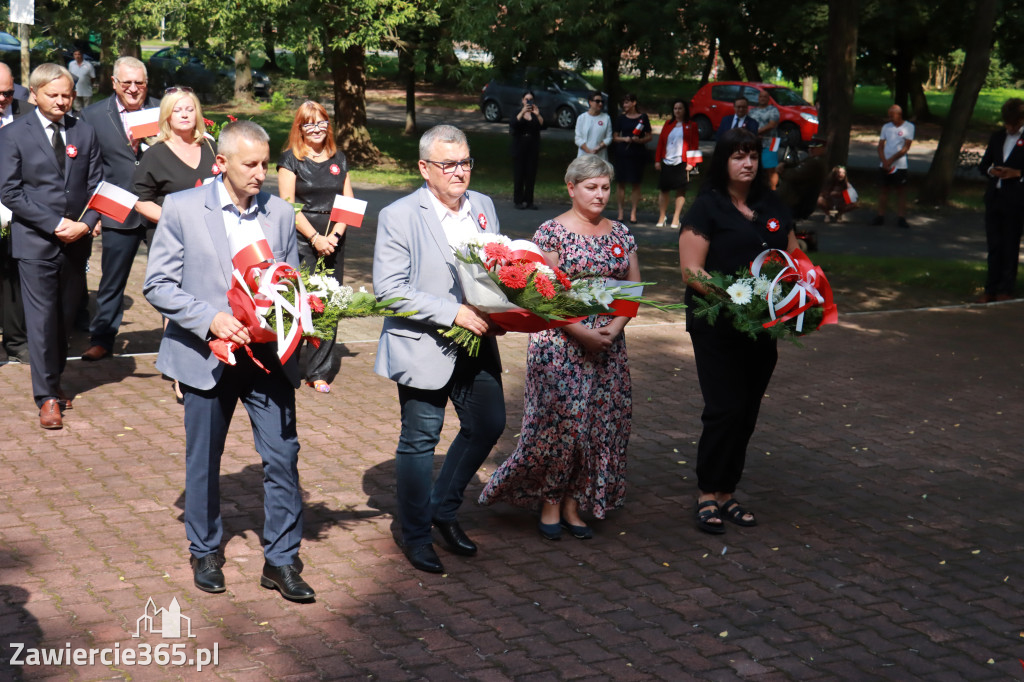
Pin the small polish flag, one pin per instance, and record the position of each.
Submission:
(850, 195)
(348, 211)
(143, 123)
(693, 157)
(112, 201)
(773, 144)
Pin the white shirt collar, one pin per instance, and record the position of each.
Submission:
(227, 204)
(47, 122)
(442, 211)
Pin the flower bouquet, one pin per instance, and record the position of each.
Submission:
(782, 295)
(511, 282)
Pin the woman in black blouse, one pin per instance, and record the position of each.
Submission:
(629, 150)
(525, 132)
(734, 218)
(312, 171)
(182, 157)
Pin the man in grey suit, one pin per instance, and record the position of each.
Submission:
(49, 167)
(413, 260)
(121, 156)
(187, 280)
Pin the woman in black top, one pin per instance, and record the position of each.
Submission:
(629, 151)
(734, 218)
(312, 171)
(182, 158)
(525, 132)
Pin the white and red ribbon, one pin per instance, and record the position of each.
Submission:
(810, 289)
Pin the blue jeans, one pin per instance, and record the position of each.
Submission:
(475, 391)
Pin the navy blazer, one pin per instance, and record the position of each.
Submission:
(748, 123)
(1012, 190)
(119, 161)
(32, 188)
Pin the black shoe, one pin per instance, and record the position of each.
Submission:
(902, 222)
(288, 581)
(424, 558)
(520, 206)
(878, 220)
(458, 541)
(550, 531)
(532, 207)
(206, 573)
(578, 532)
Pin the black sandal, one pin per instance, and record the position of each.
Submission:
(707, 511)
(734, 512)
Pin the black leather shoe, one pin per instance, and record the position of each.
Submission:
(424, 558)
(288, 581)
(206, 573)
(458, 541)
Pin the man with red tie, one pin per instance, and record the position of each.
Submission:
(49, 167)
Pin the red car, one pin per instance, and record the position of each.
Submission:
(798, 120)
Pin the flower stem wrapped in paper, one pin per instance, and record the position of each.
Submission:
(512, 283)
(782, 295)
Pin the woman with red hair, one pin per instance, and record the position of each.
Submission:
(312, 171)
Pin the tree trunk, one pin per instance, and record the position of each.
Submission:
(243, 77)
(348, 68)
(270, 46)
(808, 92)
(835, 90)
(709, 62)
(731, 72)
(976, 62)
(407, 73)
(610, 62)
(749, 63)
(901, 84)
(312, 57)
(918, 102)
(447, 59)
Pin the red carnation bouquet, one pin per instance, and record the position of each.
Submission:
(511, 282)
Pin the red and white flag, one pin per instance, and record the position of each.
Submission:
(348, 211)
(112, 201)
(143, 123)
(850, 195)
(772, 144)
(693, 157)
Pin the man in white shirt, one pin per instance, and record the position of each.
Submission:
(84, 75)
(893, 145)
(413, 260)
(594, 129)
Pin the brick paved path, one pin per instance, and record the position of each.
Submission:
(885, 473)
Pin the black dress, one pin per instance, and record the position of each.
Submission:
(161, 172)
(525, 155)
(733, 370)
(317, 183)
(630, 158)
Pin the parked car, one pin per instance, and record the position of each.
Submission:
(9, 43)
(560, 95)
(798, 119)
(48, 50)
(209, 74)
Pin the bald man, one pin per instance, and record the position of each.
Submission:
(893, 145)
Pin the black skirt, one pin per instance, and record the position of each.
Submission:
(673, 177)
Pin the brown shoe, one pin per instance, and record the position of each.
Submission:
(49, 415)
(63, 400)
(95, 353)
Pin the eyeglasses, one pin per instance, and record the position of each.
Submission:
(6, 93)
(176, 88)
(128, 84)
(448, 167)
(310, 127)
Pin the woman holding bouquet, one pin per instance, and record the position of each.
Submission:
(312, 171)
(578, 403)
(733, 220)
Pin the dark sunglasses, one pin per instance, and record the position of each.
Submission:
(6, 93)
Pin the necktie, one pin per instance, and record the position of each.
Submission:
(58, 147)
(735, 122)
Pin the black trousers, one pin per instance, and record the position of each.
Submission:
(15, 337)
(525, 156)
(1004, 221)
(734, 372)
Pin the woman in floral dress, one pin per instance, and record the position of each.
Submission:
(578, 404)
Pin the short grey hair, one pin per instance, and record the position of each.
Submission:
(586, 167)
(441, 133)
(47, 73)
(227, 143)
(129, 63)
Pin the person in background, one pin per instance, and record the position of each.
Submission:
(15, 340)
(767, 117)
(312, 171)
(525, 131)
(893, 145)
(738, 119)
(632, 133)
(834, 196)
(1002, 164)
(594, 129)
(733, 219)
(677, 137)
(121, 156)
(571, 454)
(84, 75)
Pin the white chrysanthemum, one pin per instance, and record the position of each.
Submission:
(362, 290)
(740, 293)
(581, 294)
(761, 286)
(545, 270)
(777, 293)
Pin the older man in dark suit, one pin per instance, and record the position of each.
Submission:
(1003, 165)
(121, 156)
(49, 167)
(15, 341)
